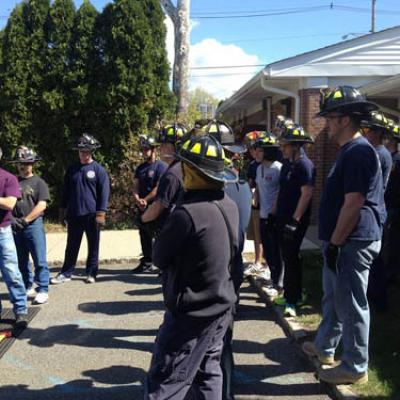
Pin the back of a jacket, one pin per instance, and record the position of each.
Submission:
(194, 253)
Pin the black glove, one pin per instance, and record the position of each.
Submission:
(19, 224)
(290, 229)
(331, 256)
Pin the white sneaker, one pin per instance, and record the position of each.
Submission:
(41, 298)
(271, 291)
(60, 278)
(90, 279)
(253, 269)
(264, 274)
(31, 292)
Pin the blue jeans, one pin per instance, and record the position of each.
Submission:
(32, 240)
(345, 309)
(10, 272)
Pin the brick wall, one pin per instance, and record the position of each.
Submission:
(323, 152)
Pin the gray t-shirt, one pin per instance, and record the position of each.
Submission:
(267, 180)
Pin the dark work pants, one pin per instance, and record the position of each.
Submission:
(146, 242)
(270, 243)
(290, 250)
(390, 245)
(377, 284)
(186, 359)
(76, 226)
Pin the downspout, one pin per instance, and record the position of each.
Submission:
(284, 92)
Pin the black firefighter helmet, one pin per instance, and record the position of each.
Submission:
(206, 154)
(87, 142)
(346, 100)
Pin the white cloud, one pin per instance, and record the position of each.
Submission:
(220, 82)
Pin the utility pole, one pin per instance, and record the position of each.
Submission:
(373, 16)
(179, 15)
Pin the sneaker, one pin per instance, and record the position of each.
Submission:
(60, 278)
(31, 292)
(21, 321)
(280, 301)
(339, 376)
(270, 291)
(152, 269)
(310, 349)
(264, 274)
(41, 298)
(90, 279)
(139, 269)
(290, 311)
(253, 269)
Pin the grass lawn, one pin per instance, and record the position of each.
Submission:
(384, 367)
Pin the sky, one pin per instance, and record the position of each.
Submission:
(281, 29)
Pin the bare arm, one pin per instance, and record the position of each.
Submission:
(153, 212)
(151, 195)
(348, 217)
(36, 211)
(136, 190)
(8, 203)
(304, 201)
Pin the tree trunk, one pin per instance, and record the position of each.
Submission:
(180, 78)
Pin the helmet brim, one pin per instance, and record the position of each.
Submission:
(226, 175)
(235, 148)
(14, 161)
(358, 107)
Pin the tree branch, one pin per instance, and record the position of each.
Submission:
(170, 9)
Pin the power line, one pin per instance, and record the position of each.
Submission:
(294, 11)
(230, 66)
(265, 14)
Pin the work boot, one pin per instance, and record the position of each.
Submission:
(21, 321)
(340, 376)
(310, 349)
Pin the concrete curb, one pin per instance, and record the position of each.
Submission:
(113, 261)
(299, 333)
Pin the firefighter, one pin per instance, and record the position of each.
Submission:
(170, 186)
(392, 201)
(84, 204)
(194, 251)
(350, 225)
(28, 226)
(375, 128)
(267, 180)
(9, 194)
(241, 194)
(253, 231)
(145, 184)
(293, 210)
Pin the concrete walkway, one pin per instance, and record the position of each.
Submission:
(119, 245)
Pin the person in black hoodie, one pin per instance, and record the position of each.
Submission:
(194, 251)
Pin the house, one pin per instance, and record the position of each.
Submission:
(291, 87)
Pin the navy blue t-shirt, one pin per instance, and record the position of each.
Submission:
(356, 170)
(148, 174)
(385, 159)
(170, 187)
(292, 177)
(86, 189)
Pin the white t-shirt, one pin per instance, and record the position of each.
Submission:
(267, 180)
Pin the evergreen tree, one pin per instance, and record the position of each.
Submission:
(131, 87)
(84, 74)
(52, 117)
(14, 110)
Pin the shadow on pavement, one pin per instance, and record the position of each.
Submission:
(145, 292)
(126, 385)
(121, 307)
(74, 335)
